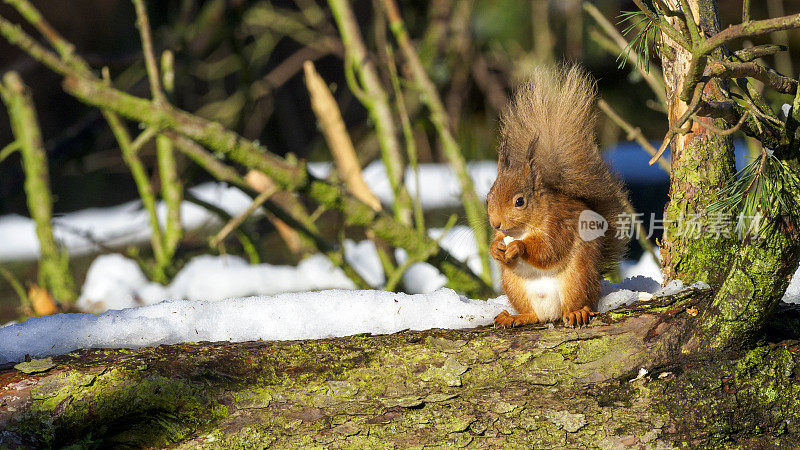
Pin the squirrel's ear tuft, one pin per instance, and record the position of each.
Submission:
(502, 155)
(531, 152)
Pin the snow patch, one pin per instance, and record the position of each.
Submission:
(116, 282)
(291, 316)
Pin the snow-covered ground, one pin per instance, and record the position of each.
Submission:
(116, 282)
(288, 316)
(208, 300)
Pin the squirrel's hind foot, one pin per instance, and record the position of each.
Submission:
(504, 319)
(577, 318)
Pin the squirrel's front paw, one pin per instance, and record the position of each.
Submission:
(514, 250)
(497, 250)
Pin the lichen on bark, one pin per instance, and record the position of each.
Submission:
(620, 381)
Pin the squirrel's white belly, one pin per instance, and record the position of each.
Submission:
(542, 289)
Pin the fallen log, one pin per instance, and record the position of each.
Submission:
(621, 381)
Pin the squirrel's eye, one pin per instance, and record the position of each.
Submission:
(519, 202)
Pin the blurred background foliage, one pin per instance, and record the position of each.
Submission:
(240, 63)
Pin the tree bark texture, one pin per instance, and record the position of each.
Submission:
(749, 275)
(702, 164)
(622, 381)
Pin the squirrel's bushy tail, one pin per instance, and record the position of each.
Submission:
(554, 114)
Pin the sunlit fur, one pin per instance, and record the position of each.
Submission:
(548, 154)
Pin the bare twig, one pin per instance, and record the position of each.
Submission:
(363, 80)
(54, 274)
(238, 220)
(8, 150)
(678, 128)
(143, 23)
(408, 135)
(475, 209)
(743, 30)
(293, 64)
(771, 78)
(244, 238)
(492, 88)
(759, 51)
(171, 186)
(720, 131)
(633, 133)
(339, 143)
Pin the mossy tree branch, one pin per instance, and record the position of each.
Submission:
(474, 207)
(289, 175)
(54, 274)
(171, 185)
(622, 381)
(706, 46)
(363, 80)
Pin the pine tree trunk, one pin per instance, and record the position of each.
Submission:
(702, 163)
(750, 275)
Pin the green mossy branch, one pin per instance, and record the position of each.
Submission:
(54, 274)
(529, 387)
(289, 175)
(474, 207)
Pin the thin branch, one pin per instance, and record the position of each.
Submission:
(691, 25)
(742, 30)
(24, 301)
(143, 24)
(293, 64)
(745, 11)
(748, 30)
(141, 179)
(408, 136)
(54, 274)
(759, 51)
(238, 220)
(633, 133)
(678, 128)
(362, 75)
(720, 131)
(475, 209)
(245, 239)
(335, 132)
(64, 48)
(771, 78)
(172, 194)
(8, 150)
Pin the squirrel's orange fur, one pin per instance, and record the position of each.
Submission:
(549, 171)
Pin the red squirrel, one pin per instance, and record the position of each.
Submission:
(549, 172)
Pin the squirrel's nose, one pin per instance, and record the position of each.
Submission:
(496, 225)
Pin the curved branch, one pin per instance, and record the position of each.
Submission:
(732, 69)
